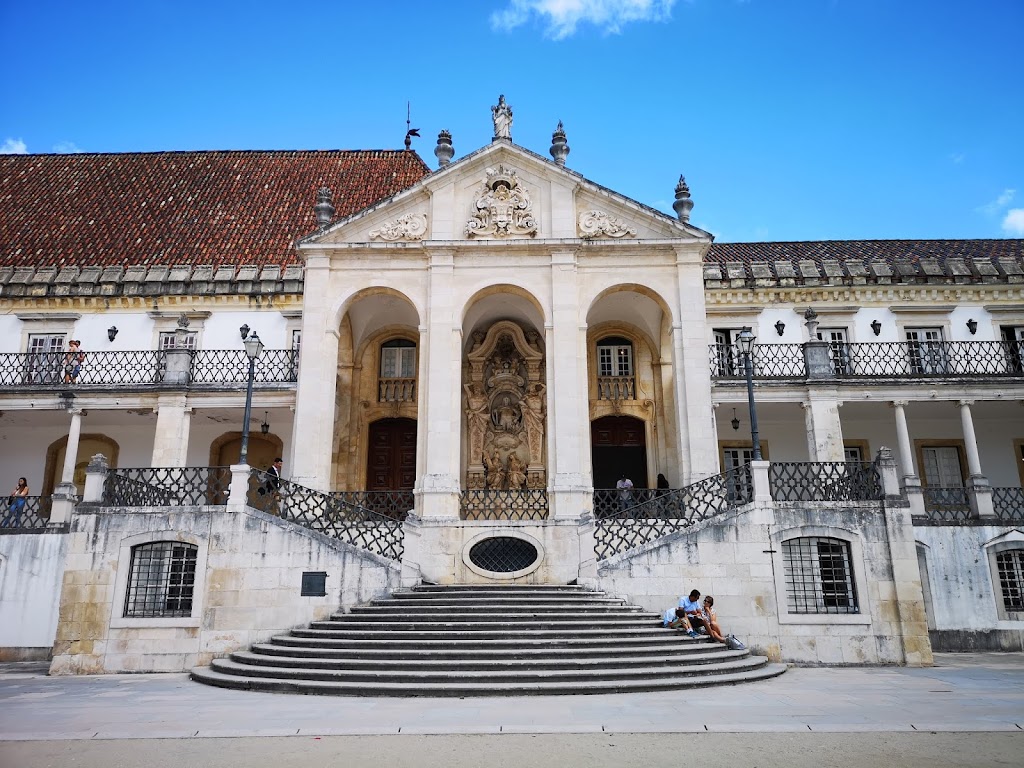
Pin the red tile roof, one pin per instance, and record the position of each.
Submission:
(167, 208)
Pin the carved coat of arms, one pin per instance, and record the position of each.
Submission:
(503, 207)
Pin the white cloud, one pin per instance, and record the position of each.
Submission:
(1013, 224)
(993, 208)
(66, 148)
(562, 16)
(13, 147)
(957, 158)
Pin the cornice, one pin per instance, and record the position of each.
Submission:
(881, 295)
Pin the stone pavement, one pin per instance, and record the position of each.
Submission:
(962, 693)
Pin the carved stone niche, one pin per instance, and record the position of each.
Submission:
(505, 409)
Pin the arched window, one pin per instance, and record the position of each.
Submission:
(615, 369)
(161, 580)
(397, 371)
(819, 576)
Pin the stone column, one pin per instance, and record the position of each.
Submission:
(173, 422)
(694, 413)
(65, 494)
(903, 438)
(824, 427)
(313, 432)
(440, 426)
(95, 475)
(570, 474)
(978, 488)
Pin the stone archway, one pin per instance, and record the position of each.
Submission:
(505, 409)
(262, 451)
(89, 444)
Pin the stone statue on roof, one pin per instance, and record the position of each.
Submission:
(501, 113)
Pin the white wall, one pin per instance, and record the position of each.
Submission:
(31, 571)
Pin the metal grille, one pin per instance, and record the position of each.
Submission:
(481, 504)
(393, 504)
(818, 576)
(616, 388)
(396, 390)
(54, 369)
(1008, 504)
(947, 504)
(503, 554)
(624, 524)
(25, 512)
(166, 486)
(825, 481)
(231, 366)
(1010, 566)
(768, 361)
(333, 515)
(161, 580)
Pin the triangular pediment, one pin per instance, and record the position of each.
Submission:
(507, 193)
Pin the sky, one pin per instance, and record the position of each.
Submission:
(790, 119)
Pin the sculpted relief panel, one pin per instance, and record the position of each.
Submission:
(505, 409)
(503, 207)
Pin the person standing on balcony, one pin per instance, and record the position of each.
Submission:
(16, 503)
(625, 487)
(73, 360)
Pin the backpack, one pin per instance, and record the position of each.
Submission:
(734, 644)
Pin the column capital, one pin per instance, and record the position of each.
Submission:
(967, 403)
(899, 403)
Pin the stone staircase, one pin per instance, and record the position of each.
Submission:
(475, 640)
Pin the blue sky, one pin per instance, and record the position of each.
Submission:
(791, 119)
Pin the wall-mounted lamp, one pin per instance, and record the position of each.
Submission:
(265, 426)
(735, 420)
(244, 330)
(112, 332)
(972, 326)
(876, 326)
(780, 327)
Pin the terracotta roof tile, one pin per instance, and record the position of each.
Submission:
(175, 208)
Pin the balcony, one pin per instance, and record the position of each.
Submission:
(396, 390)
(145, 368)
(616, 388)
(889, 360)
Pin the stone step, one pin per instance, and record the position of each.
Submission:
(481, 615)
(477, 688)
(489, 632)
(454, 588)
(552, 661)
(462, 647)
(498, 600)
(444, 674)
(475, 623)
(496, 608)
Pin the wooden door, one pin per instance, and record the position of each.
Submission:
(391, 458)
(618, 446)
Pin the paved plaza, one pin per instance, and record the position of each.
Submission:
(965, 703)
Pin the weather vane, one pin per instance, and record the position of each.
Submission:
(409, 132)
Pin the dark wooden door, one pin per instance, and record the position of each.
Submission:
(618, 446)
(391, 459)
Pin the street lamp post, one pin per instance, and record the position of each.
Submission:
(746, 344)
(253, 348)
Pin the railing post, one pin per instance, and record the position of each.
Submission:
(915, 495)
(817, 353)
(979, 494)
(95, 476)
(238, 494)
(761, 482)
(888, 469)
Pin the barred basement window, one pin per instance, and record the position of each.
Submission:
(819, 578)
(161, 580)
(1010, 569)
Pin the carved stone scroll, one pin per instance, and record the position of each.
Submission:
(411, 226)
(600, 224)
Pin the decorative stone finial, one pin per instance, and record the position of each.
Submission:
(324, 209)
(501, 113)
(683, 204)
(183, 321)
(812, 324)
(444, 151)
(559, 149)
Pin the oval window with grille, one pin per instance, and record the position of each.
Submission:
(503, 554)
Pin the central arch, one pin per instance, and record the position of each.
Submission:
(618, 446)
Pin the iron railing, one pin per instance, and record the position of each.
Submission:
(231, 366)
(331, 514)
(25, 512)
(166, 486)
(396, 390)
(1008, 504)
(825, 481)
(486, 504)
(57, 369)
(624, 522)
(951, 505)
(391, 504)
(865, 360)
(616, 388)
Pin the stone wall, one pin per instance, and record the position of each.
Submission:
(738, 560)
(31, 565)
(248, 576)
(963, 597)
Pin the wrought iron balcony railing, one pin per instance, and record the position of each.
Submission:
(392, 504)
(1008, 504)
(616, 388)
(24, 512)
(522, 504)
(55, 370)
(947, 504)
(825, 481)
(166, 486)
(397, 390)
(866, 360)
